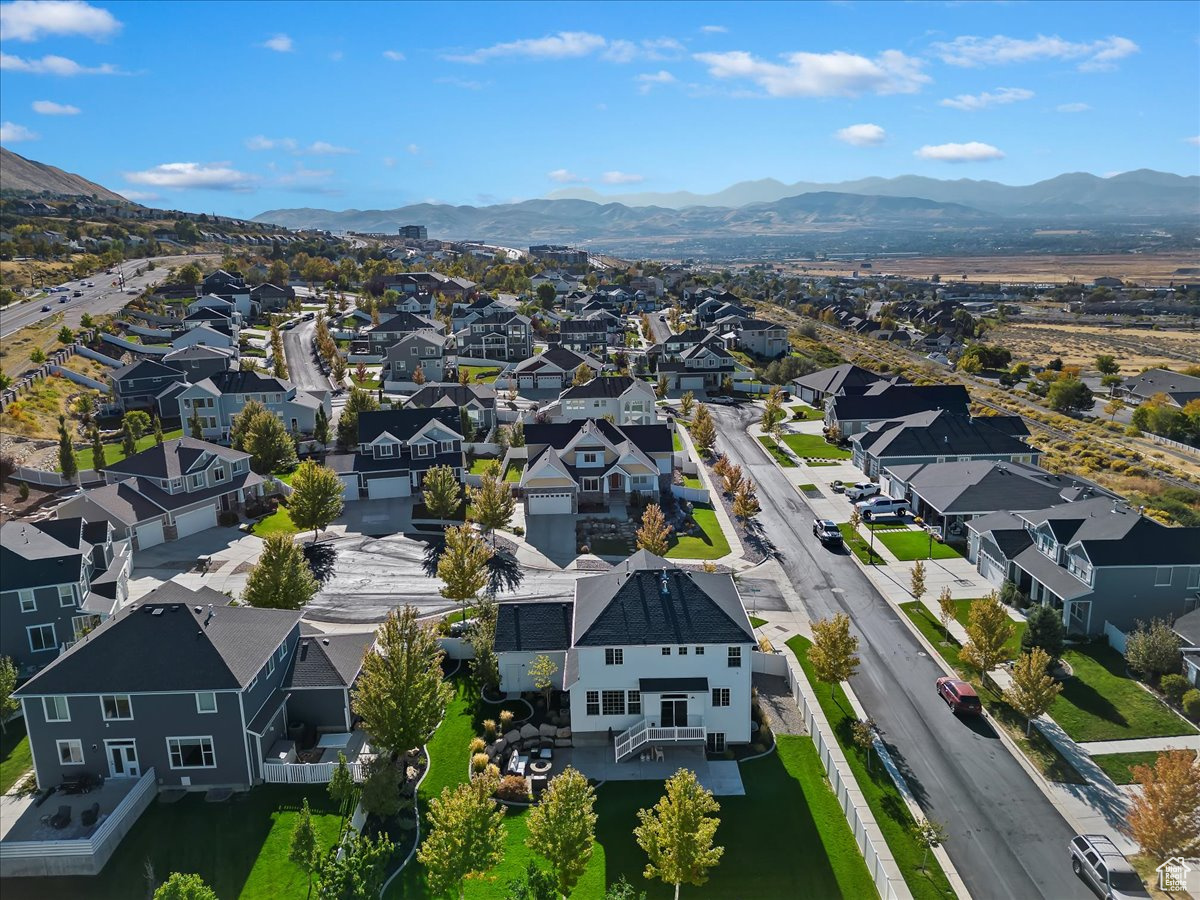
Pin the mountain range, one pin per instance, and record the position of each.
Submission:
(19, 175)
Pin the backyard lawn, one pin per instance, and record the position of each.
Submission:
(676, 443)
(814, 446)
(710, 545)
(513, 473)
(774, 449)
(1119, 765)
(909, 545)
(480, 374)
(112, 452)
(692, 481)
(15, 756)
(279, 522)
(480, 463)
(238, 847)
(1102, 703)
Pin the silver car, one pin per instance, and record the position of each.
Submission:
(1096, 859)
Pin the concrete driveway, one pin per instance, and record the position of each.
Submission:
(376, 517)
(230, 554)
(553, 535)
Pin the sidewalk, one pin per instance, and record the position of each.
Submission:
(1143, 745)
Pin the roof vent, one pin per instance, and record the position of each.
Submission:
(325, 641)
(665, 584)
(158, 611)
(198, 609)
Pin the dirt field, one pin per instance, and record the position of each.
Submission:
(15, 349)
(1079, 345)
(17, 274)
(1150, 269)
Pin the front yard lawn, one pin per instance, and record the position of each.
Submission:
(112, 452)
(804, 413)
(239, 847)
(712, 544)
(880, 792)
(773, 448)
(910, 545)
(859, 547)
(1101, 703)
(279, 522)
(814, 446)
(15, 756)
(756, 622)
(1119, 766)
(962, 613)
(480, 374)
(367, 384)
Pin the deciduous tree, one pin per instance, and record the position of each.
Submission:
(1153, 649)
(745, 502)
(834, 651)
(270, 446)
(466, 835)
(1032, 691)
(463, 565)
(492, 503)
(916, 580)
(139, 423)
(1164, 814)
(988, 631)
(316, 498)
(341, 783)
(8, 684)
(302, 848)
(184, 886)
(359, 401)
(357, 872)
(655, 534)
(1044, 629)
(686, 404)
(947, 609)
(703, 430)
(562, 827)
(677, 834)
(441, 492)
(928, 834)
(321, 427)
(128, 441)
(281, 579)
(583, 375)
(541, 672)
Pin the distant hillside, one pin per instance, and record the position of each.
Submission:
(1076, 195)
(576, 220)
(21, 175)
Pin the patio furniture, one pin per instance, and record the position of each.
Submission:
(516, 764)
(540, 767)
(89, 816)
(658, 754)
(82, 783)
(62, 818)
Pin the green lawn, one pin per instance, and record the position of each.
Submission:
(1036, 748)
(367, 384)
(962, 612)
(804, 413)
(773, 448)
(513, 473)
(1119, 765)
(279, 522)
(909, 545)
(238, 847)
(756, 622)
(860, 547)
(711, 545)
(112, 452)
(676, 443)
(285, 477)
(1101, 703)
(804, 488)
(880, 792)
(478, 465)
(814, 446)
(481, 374)
(15, 756)
(692, 481)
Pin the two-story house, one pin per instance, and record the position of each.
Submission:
(552, 370)
(396, 447)
(218, 399)
(593, 462)
(587, 334)
(940, 436)
(629, 401)
(268, 297)
(649, 653)
(138, 385)
(476, 401)
(703, 367)
(882, 402)
(396, 327)
(1097, 560)
(58, 579)
(230, 307)
(502, 335)
(424, 350)
(816, 388)
(764, 339)
(168, 491)
(197, 363)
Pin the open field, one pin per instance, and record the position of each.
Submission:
(15, 349)
(20, 273)
(1079, 345)
(1148, 268)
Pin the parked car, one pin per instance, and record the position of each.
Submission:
(881, 506)
(827, 533)
(838, 487)
(861, 490)
(289, 324)
(1096, 859)
(959, 696)
(309, 316)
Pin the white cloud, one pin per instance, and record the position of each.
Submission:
(259, 142)
(999, 50)
(865, 135)
(324, 148)
(414, 149)
(291, 145)
(713, 29)
(621, 178)
(836, 74)
(140, 196)
(464, 83)
(393, 55)
(280, 43)
(50, 108)
(190, 175)
(1194, 141)
(573, 45)
(12, 133)
(999, 97)
(302, 177)
(1072, 107)
(337, 55)
(647, 81)
(562, 176)
(53, 65)
(973, 151)
(26, 20)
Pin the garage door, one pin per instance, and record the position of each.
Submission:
(990, 569)
(549, 381)
(349, 487)
(382, 488)
(691, 383)
(549, 504)
(149, 535)
(196, 520)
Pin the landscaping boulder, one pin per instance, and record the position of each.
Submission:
(547, 730)
(528, 731)
(564, 732)
(562, 742)
(499, 746)
(511, 737)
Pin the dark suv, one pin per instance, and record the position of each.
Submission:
(827, 533)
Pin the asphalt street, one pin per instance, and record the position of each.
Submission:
(659, 327)
(1005, 838)
(303, 368)
(100, 300)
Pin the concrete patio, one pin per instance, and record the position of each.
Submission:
(722, 777)
(23, 821)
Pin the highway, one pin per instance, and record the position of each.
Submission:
(100, 300)
(1005, 838)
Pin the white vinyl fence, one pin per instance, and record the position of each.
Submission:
(307, 773)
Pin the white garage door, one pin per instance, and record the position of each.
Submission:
(691, 383)
(382, 488)
(549, 504)
(149, 535)
(196, 520)
(549, 381)
(990, 569)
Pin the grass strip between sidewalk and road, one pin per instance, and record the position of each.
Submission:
(774, 449)
(859, 547)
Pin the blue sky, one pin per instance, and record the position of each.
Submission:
(237, 108)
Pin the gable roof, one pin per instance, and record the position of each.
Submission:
(328, 660)
(178, 649)
(647, 438)
(901, 400)
(145, 368)
(539, 625)
(832, 380)
(457, 394)
(985, 485)
(938, 433)
(601, 386)
(174, 458)
(33, 554)
(235, 381)
(402, 424)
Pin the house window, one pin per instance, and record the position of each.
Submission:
(1163, 576)
(635, 703)
(590, 457)
(735, 657)
(270, 666)
(283, 651)
(386, 449)
(716, 742)
(66, 595)
(612, 703)
(56, 709)
(593, 703)
(720, 696)
(591, 484)
(614, 656)
(699, 651)
(191, 753)
(218, 474)
(116, 707)
(1194, 577)
(28, 601)
(424, 449)
(41, 637)
(70, 753)
(197, 481)
(206, 702)
(666, 651)
(683, 651)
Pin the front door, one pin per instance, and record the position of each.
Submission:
(616, 483)
(122, 759)
(674, 712)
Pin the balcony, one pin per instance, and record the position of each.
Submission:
(644, 733)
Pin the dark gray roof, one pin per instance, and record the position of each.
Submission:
(461, 394)
(198, 351)
(236, 381)
(544, 625)
(666, 685)
(329, 660)
(124, 502)
(1176, 385)
(565, 359)
(403, 423)
(628, 605)
(174, 458)
(145, 368)
(902, 400)
(647, 438)
(176, 649)
(600, 386)
(1187, 626)
(33, 554)
(938, 433)
(757, 325)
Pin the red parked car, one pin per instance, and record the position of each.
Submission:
(959, 696)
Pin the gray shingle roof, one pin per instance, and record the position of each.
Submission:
(902, 400)
(173, 459)
(329, 660)
(613, 386)
(33, 554)
(543, 625)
